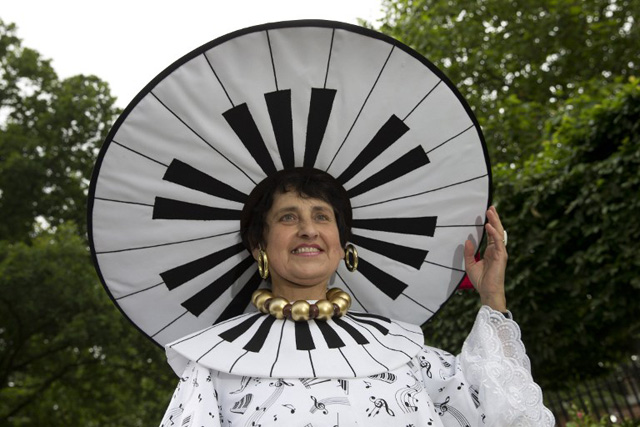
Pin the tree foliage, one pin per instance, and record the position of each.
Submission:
(67, 356)
(516, 60)
(49, 138)
(571, 214)
(573, 208)
(552, 84)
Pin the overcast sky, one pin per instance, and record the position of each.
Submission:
(128, 42)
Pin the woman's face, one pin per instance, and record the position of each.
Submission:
(302, 243)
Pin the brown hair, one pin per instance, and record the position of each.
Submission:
(307, 182)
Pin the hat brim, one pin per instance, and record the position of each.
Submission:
(174, 172)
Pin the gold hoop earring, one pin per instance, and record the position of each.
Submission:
(352, 265)
(263, 264)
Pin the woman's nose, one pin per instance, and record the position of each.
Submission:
(308, 229)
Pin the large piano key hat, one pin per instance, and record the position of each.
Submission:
(174, 172)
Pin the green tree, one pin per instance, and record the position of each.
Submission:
(579, 198)
(67, 356)
(571, 212)
(552, 85)
(515, 60)
(49, 137)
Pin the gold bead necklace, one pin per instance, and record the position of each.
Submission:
(336, 304)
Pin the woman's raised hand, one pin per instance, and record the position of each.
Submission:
(487, 275)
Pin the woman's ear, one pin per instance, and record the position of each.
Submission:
(256, 251)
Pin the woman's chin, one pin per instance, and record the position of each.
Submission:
(307, 279)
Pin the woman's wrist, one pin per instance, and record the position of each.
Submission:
(495, 302)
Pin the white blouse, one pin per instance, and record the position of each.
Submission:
(363, 370)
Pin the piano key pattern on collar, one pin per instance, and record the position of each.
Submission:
(259, 345)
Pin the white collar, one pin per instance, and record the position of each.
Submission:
(259, 345)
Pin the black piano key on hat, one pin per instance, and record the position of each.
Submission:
(257, 341)
(179, 275)
(242, 123)
(386, 136)
(279, 107)
(175, 209)
(304, 340)
(409, 162)
(239, 303)
(422, 226)
(186, 175)
(319, 113)
(330, 336)
(409, 256)
(355, 334)
(388, 284)
(203, 299)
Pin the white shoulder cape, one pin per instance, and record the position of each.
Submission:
(259, 345)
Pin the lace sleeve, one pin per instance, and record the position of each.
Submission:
(494, 358)
(194, 402)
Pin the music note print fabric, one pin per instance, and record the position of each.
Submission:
(205, 398)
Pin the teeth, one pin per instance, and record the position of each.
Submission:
(305, 249)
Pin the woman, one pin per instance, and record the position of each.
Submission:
(185, 157)
(308, 362)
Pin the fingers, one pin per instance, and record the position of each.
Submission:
(496, 250)
(469, 249)
(470, 262)
(495, 237)
(492, 234)
(494, 223)
(494, 219)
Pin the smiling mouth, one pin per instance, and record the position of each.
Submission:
(305, 249)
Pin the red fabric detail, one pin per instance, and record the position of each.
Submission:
(466, 283)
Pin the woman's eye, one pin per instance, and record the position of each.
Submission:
(287, 217)
(322, 217)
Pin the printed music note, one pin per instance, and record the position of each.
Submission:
(319, 405)
(377, 405)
